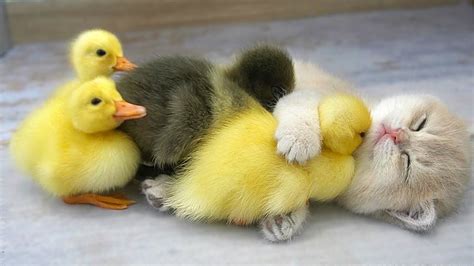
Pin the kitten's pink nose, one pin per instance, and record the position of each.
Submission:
(395, 136)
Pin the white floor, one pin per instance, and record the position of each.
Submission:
(383, 53)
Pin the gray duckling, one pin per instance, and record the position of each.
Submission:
(186, 96)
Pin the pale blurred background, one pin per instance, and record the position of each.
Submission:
(48, 20)
(384, 47)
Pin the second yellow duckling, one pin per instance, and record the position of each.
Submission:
(95, 53)
(236, 175)
(98, 53)
(71, 149)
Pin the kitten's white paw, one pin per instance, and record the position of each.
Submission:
(298, 143)
(283, 227)
(277, 228)
(155, 192)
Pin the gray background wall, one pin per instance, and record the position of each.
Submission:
(4, 32)
(48, 20)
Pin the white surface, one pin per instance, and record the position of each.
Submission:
(382, 53)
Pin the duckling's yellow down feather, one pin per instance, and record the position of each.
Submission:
(237, 175)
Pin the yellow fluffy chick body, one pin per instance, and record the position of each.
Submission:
(66, 160)
(236, 175)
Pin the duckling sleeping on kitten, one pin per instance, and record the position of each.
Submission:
(237, 176)
(412, 167)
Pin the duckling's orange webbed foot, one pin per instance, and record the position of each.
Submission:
(112, 202)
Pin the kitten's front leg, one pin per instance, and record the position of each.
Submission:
(283, 227)
(298, 132)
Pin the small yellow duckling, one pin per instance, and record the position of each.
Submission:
(95, 53)
(342, 117)
(70, 147)
(237, 175)
(98, 53)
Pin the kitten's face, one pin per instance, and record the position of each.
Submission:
(415, 154)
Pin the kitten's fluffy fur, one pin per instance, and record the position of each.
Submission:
(438, 171)
(384, 185)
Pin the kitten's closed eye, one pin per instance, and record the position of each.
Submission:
(419, 124)
(406, 163)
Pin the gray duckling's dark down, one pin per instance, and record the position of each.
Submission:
(185, 96)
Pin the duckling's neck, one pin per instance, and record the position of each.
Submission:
(99, 134)
(85, 75)
(90, 135)
(74, 129)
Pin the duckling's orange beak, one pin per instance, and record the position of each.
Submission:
(126, 111)
(123, 64)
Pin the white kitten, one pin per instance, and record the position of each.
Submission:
(419, 172)
(412, 167)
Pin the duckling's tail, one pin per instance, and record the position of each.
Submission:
(265, 72)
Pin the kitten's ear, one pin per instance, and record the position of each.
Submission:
(420, 218)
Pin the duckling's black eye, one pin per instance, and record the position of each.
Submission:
(362, 134)
(100, 52)
(96, 101)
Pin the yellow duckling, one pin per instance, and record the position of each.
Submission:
(95, 53)
(237, 175)
(71, 149)
(98, 53)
